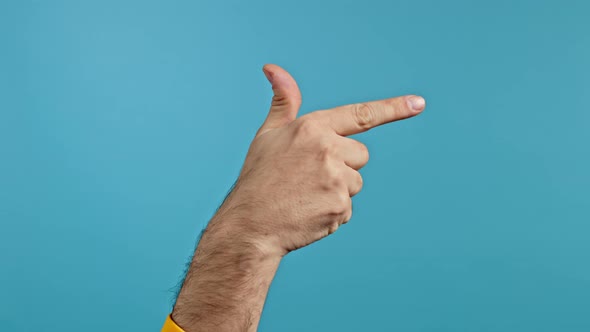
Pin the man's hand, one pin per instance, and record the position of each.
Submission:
(300, 174)
(295, 187)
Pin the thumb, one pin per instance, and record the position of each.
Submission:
(286, 100)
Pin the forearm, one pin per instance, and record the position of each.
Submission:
(228, 280)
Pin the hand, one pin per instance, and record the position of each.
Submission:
(299, 175)
(295, 188)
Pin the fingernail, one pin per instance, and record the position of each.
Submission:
(416, 103)
(268, 75)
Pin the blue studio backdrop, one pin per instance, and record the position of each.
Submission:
(124, 123)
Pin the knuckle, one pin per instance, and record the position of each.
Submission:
(305, 126)
(398, 107)
(357, 184)
(325, 145)
(364, 115)
(325, 148)
(333, 227)
(348, 217)
(360, 181)
(280, 100)
(364, 151)
(333, 180)
(340, 205)
(324, 156)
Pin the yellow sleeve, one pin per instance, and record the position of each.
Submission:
(170, 326)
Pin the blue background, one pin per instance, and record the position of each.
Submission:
(124, 123)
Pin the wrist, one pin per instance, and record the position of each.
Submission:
(233, 237)
(244, 227)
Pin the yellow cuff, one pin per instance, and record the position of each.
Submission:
(170, 326)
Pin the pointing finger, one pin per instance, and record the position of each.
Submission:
(357, 118)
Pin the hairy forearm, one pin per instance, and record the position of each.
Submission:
(228, 280)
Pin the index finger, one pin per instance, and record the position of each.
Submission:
(357, 118)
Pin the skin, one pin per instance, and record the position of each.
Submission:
(295, 188)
